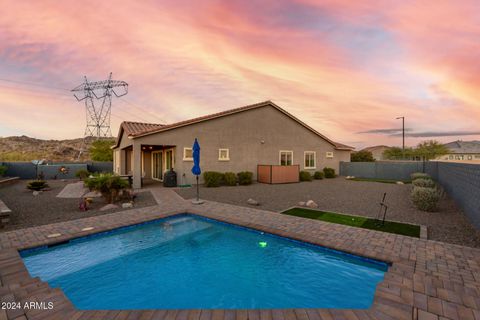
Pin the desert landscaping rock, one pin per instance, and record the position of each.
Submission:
(302, 204)
(449, 224)
(311, 204)
(127, 205)
(29, 211)
(109, 206)
(252, 202)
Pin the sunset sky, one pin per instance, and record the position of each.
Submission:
(347, 68)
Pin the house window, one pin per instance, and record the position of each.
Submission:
(223, 154)
(329, 155)
(469, 157)
(309, 160)
(286, 158)
(187, 154)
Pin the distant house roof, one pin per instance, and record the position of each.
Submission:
(463, 146)
(373, 148)
(160, 128)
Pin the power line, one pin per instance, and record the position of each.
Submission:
(44, 94)
(135, 116)
(29, 83)
(145, 111)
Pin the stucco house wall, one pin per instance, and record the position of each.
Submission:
(253, 137)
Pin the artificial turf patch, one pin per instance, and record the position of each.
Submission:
(356, 221)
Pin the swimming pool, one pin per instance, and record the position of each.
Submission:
(190, 262)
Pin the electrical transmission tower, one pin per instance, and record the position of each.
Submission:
(98, 116)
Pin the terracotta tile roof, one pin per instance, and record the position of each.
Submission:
(152, 128)
(133, 128)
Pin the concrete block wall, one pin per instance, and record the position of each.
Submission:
(380, 169)
(462, 182)
(26, 170)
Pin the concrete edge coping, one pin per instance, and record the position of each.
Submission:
(8, 180)
(423, 228)
(3, 208)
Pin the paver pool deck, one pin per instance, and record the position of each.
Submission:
(426, 280)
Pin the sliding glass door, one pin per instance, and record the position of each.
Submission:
(157, 165)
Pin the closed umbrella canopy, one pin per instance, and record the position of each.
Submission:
(196, 158)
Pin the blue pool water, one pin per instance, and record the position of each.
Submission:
(188, 262)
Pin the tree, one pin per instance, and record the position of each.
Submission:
(101, 151)
(396, 153)
(362, 156)
(431, 149)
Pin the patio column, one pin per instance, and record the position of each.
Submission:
(136, 165)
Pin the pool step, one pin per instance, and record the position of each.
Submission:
(33, 290)
(60, 302)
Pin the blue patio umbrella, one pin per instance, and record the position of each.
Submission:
(196, 162)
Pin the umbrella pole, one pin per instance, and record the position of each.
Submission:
(197, 190)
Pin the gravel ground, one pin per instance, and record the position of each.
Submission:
(449, 224)
(29, 210)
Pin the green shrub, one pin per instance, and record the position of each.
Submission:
(362, 156)
(424, 183)
(329, 172)
(82, 174)
(3, 170)
(305, 176)
(419, 175)
(318, 175)
(37, 185)
(425, 199)
(245, 178)
(108, 184)
(213, 178)
(230, 178)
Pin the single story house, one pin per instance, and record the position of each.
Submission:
(462, 151)
(233, 140)
(377, 151)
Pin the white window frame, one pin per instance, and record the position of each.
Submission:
(314, 159)
(329, 155)
(280, 156)
(220, 154)
(185, 152)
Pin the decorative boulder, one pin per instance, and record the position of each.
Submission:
(108, 207)
(302, 203)
(311, 204)
(399, 182)
(252, 202)
(127, 205)
(36, 193)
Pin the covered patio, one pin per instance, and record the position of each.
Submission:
(146, 163)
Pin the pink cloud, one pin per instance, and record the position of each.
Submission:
(183, 59)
